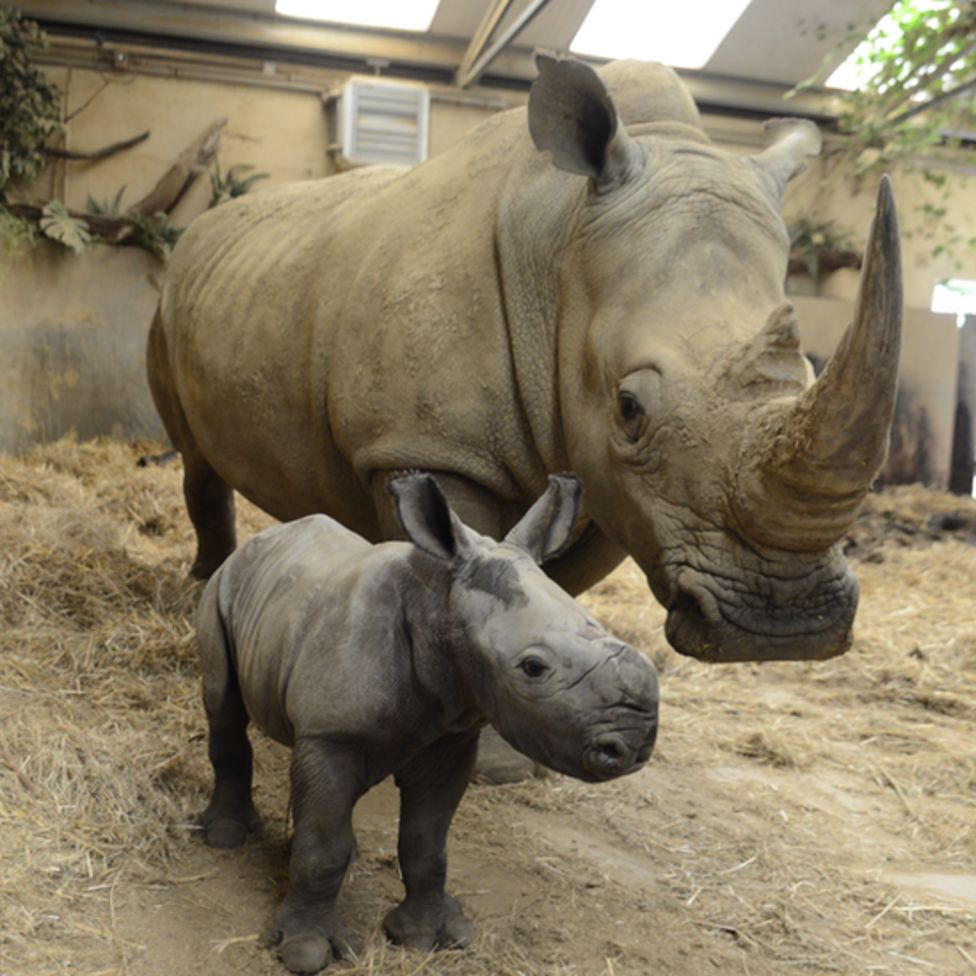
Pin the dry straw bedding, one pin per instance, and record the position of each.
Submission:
(763, 838)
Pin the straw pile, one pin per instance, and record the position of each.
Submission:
(812, 818)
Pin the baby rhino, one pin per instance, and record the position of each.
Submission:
(376, 659)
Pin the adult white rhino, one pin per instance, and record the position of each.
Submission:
(612, 307)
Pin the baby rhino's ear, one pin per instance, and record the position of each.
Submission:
(427, 519)
(546, 528)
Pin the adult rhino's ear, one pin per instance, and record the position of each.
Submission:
(572, 116)
(427, 519)
(546, 528)
(790, 142)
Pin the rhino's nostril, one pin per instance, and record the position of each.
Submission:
(607, 756)
(611, 748)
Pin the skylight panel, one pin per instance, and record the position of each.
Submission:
(683, 34)
(410, 15)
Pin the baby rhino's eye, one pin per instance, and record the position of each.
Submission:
(534, 667)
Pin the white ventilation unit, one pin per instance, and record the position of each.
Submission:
(383, 122)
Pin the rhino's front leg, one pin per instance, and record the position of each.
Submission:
(326, 782)
(431, 786)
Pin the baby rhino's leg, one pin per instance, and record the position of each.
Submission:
(431, 787)
(230, 816)
(326, 782)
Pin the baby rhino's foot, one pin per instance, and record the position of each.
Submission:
(308, 948)
(429, 925)
(226, 829)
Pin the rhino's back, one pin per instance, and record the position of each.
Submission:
(237, 311)
(322, 332)
(297, 601)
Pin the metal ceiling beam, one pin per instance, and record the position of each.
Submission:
(353, 49)
(145, 18)
(468, 75)
(479, 41)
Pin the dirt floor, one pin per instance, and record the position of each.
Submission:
(795, 819)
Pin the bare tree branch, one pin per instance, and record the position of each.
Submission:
(103, 153)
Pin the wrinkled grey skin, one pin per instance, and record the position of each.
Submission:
(611, 305)
(376, 659)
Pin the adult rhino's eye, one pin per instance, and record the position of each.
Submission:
(534, 667)
(631, 413)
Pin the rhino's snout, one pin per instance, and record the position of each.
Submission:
(702, 626)
(629, 743)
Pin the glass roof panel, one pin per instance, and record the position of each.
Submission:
(410, 15)
(684, 34)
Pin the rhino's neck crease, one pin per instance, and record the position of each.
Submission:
(433, 642)
(536, 221)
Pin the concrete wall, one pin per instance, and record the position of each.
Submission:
(921, 447)
(73, 340)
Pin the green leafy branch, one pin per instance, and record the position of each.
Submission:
(231, 184)
(919, 87)
(818, 248)
(30, 107)
(915, 106)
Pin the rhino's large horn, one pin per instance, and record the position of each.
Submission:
(820, 457)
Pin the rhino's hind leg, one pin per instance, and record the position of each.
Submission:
(431, 786)
(230, 816)
(210, 502)
(209, 499)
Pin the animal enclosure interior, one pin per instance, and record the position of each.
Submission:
(715, 259)
(795, 819)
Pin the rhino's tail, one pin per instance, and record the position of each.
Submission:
(221, 691)
(230, 815)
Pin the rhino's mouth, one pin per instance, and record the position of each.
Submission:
(610, 755)
(803, 620)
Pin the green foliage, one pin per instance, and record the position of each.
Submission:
(17, 234)
(922, 91)
(917, 97)
(227, 186)
(106, 207)
(811, 241)
(60, 226)
(156, 234)
(29, 105)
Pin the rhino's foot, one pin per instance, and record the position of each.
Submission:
(499, 763)
(225, 830)
(438, 925)
(308, 948)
